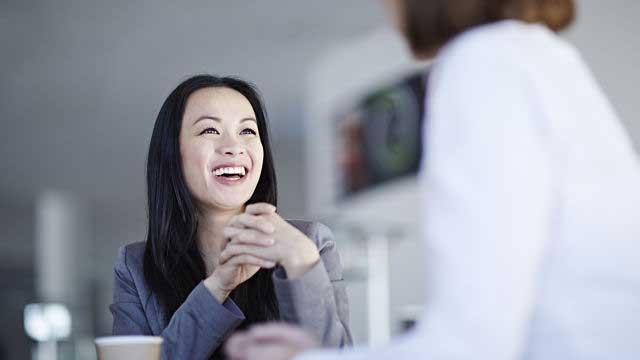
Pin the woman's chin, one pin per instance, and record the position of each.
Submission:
(227, 198)
(227, 204)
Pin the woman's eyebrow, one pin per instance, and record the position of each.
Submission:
(218, 120)
(207, 117)
(249, 119)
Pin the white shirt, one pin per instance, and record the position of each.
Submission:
(531, 208)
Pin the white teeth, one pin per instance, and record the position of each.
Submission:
(230, 171)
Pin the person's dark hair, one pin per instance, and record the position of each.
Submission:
(429, 24)
(173, 265)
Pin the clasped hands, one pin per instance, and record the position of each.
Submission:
(260, 238)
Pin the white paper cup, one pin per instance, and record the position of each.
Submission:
(128, 347)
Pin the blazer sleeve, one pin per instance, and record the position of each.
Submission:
(318, 299)
(195, 330)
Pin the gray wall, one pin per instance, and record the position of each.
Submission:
(606, 33)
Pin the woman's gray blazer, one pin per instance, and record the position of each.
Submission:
(317, 301)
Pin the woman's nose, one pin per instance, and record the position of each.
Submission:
(231, 147)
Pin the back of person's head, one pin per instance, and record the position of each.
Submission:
(429, 24)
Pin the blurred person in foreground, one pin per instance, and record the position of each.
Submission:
(218, 257)
(530, 198)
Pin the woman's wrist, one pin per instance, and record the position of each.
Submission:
(301, 261)
(215, 289)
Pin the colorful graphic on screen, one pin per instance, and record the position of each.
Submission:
(380, 137)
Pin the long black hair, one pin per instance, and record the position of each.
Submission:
(173, 265)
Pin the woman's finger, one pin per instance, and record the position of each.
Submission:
(248, 236)
(279, 331)
(235, 346)
(230, 231)
(272, 351)
(260, 209)
(253, 222)
(247, 259)
(235, 249)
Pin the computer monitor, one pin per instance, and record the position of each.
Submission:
(380, 135)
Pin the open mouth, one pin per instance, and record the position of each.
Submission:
(230, 173)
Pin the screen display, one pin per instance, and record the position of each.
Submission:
(380, 136)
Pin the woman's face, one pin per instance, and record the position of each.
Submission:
(220, 148)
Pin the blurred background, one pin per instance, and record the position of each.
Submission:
(81, 83)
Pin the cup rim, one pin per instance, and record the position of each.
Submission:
(127, 340)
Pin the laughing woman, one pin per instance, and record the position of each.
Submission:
(218, 257)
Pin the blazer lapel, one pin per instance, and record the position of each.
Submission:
(155, 315)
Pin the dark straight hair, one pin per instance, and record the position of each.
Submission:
(429, 24)
(173, 265)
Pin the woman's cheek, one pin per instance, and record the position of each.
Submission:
(196, 163)
(258, 152)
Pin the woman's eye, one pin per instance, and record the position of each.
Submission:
(248, 131)
(210, 131)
